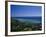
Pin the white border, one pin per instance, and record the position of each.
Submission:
(25, 32)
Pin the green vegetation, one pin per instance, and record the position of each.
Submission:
(17, 25)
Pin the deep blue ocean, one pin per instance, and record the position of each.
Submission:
(33, 19)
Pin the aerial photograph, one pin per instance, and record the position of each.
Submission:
(26, 18)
